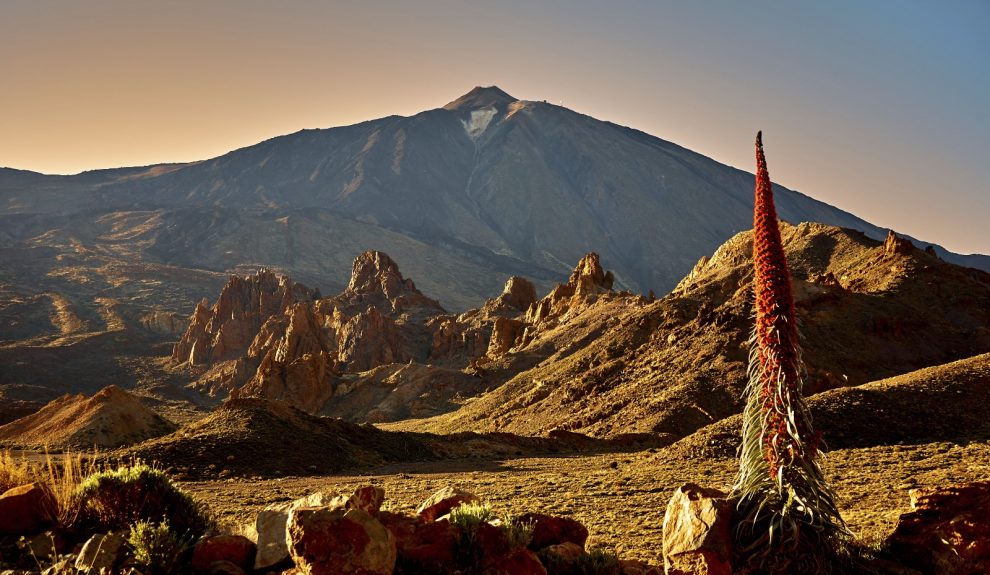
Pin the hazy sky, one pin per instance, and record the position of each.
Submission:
(879, 108)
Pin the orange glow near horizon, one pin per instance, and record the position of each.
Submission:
(890, 126)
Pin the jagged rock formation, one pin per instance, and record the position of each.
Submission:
(225, 330)
(279, 344)
(381, 350)
(111, 418)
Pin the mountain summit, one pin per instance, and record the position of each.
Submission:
(482, 97)
(465, 196)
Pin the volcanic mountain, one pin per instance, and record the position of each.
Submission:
(465, 195)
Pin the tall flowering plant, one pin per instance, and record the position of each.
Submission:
(786, 510)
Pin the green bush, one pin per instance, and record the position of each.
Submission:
(156, 546)
(119, 498)
(468, 516)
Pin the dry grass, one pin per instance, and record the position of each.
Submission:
(14, 471)
(62, 477)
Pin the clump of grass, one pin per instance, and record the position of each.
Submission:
(116, 499)
(156, 546)
(14, 471)
(468, 516)
(62, 477)
(597, 561)
(517, 533)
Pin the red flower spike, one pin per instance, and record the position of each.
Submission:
(780, 486)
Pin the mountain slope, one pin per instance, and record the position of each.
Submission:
(486, 184)
(867, 310)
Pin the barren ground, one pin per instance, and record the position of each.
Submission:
(621, 497)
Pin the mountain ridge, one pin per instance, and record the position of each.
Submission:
(489, 183)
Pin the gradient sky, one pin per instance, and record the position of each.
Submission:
(878, 107)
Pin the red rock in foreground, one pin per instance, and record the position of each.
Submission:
(947, 531)
(340, 542)
(25, 510)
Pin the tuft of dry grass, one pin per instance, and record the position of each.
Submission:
(14, 471)
(62, 476)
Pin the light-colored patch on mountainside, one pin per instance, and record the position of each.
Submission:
(479, 121)
(400, 152)
(358, 178)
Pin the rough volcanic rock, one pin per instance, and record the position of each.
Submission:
(25, 510)
(947, 530)
(165, 323)
(235, 549)
(101, 553)
(549, 530)
(339, 542)
(269, 528)
(587, 280)
(697, 532)
(897, 245)
(228, 328)
(111, 418)
(519, 293)
(294, 349)
(441, 502)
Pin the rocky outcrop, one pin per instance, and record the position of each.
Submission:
(947, 530)
(225, 330)
(587, 281)
(111, 418)
(165, 323)
(897, 245)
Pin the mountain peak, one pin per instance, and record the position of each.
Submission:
(481, 97)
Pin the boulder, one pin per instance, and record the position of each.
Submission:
(235, 549)
(339, 542)
(634, 567)
(423, 547)
(697, 536)
(562, 557)
(269, 529)
(101, 553)
(368, 499)
(25, 510)
(549, 530)
(441, 502)
(520, 562)
(947, 530)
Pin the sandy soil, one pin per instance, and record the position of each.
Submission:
(621, 497)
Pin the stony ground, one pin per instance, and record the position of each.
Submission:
(621, 497)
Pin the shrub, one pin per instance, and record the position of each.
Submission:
(468, 516)
(518, 534)
(597, 561)
(119, 498)
(156, 546)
